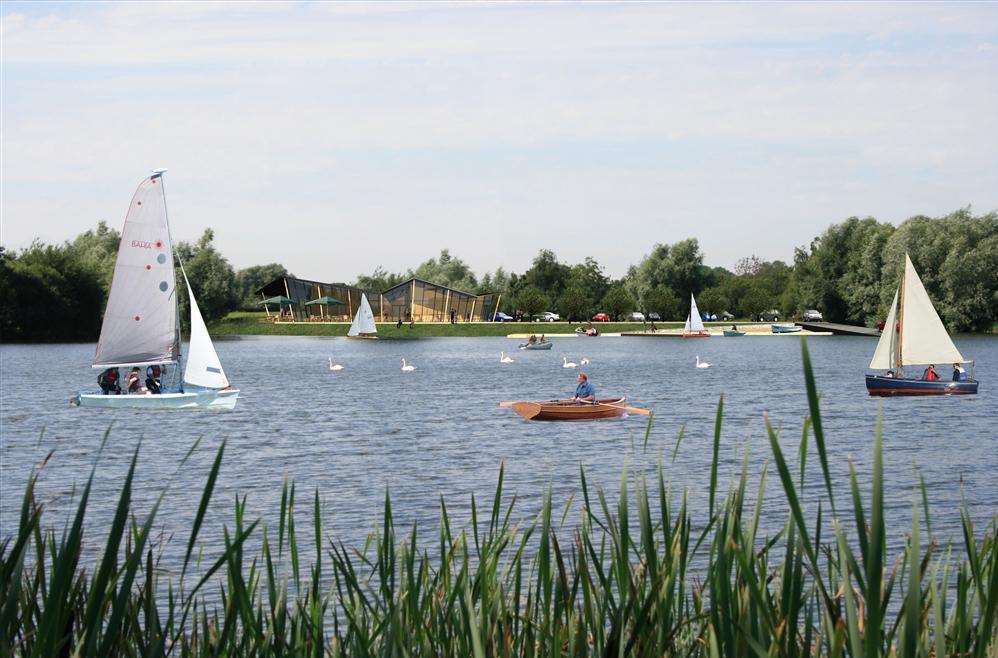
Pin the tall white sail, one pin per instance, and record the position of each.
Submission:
(203, 367)
(883, 357)
(694, 323)
(140, 321)
(363, 322)
(923, 337)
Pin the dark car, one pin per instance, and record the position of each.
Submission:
(601, 317)
(770, 316)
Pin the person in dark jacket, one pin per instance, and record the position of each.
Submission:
(108, 382)
(153, 374)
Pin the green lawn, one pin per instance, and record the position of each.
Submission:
(248, 323)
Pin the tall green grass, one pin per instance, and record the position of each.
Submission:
(641, 575)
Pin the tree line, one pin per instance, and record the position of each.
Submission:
(849, 273)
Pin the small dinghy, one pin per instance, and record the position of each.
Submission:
(363, 323)
(785, 328)
(141, 327)
(733, 333)
(694, 323)
(546, 345)
(914, 335)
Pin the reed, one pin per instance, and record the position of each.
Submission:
(644, 575)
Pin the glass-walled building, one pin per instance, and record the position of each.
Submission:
(416, 300)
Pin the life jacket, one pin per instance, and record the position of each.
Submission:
(930, 375)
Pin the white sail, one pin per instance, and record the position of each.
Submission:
(694, 323)
(883, 357)
(140, 321)
(363, 322)
(203, 367)
(923, 337)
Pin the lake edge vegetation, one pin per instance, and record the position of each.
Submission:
(620, 582)
(849, 272)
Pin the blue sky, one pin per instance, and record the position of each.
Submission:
(337, 137)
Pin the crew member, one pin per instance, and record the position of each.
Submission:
(584, 392)
(959, 374)
(108, 382)
(153, 373)
(930, 374)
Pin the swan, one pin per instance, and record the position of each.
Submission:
(334, 366)
(406, 367)
(702, 364)
(566, 363)
(584, 361)
(504, 359)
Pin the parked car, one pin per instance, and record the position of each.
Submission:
(655, 316)
(636, 317)
(601, 317)
(771, 315)
(811, 315)
(548, 316)
(502, 317)
(727, 316)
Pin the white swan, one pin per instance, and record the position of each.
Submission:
(406, 367)
(566, 363)
(702, 364)
(584, 361)
(335, 367)
(504, 359)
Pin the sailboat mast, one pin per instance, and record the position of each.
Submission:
(900, 320)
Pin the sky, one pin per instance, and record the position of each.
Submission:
(337, 137)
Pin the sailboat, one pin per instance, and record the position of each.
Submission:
(363, 323)
(141, 327)
(694, 324)
(914, 335)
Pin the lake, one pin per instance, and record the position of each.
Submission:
(438, 432)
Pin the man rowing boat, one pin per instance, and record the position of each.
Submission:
(584, 392)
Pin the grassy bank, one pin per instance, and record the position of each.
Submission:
(256, 324)
(618, 584)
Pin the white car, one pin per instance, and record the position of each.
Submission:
(548, 316)
(811, 315)
(637, 317)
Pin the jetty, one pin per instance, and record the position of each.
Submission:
(839, 329)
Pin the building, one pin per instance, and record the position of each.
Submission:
(416, 300)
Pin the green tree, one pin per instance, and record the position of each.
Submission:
(713, 300)
(211, 278)
(756, 300)
(617, 302)
(547, 274)
(663, 301)
(446, 270)
(575, 302)
(98, 249)
(251, 279)
(380, 279)
(531, 301)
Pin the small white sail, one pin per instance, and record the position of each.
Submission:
(923, 337)
(363, 322)
(203, 367)
(883, 357)
(140, 319)
(694, 324)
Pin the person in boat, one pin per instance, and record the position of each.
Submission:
(108, 382)
(153, 374)
(959, 374)
(930, 374)
(734, 327)
(532, 339)
(543, 339)
(134, 381)
(584, 391)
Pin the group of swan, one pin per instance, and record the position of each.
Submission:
(503, 358)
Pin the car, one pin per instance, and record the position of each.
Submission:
(636, 317)
(811, 315)
(502, 317)
(548, 316)
(655, 316)
(771, 315)
(727, 316)
(601, 317)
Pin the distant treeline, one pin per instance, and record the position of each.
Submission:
(849, 273)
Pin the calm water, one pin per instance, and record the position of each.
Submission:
(437, 431)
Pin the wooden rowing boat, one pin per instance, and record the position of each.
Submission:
(570, 410)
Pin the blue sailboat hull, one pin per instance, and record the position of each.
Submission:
(889, 386)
